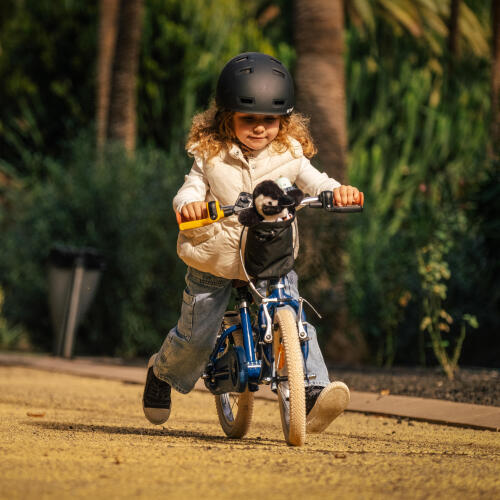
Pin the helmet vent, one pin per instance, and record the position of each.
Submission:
(246, 100)
(279, 73)
(246, 70)
(244, 58)
(278, 102)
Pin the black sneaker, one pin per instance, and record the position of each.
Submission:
(312, 393)
(325, 404)
(156, 398)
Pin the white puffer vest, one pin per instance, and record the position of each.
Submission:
(215, 248)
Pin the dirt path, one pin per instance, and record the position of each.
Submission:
(63, 436)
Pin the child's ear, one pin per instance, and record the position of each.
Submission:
(249, 217)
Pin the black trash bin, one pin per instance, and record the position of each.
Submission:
(74, 275)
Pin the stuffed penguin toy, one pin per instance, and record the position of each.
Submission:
(270, 204)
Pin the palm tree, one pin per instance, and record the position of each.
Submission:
(320, 81)
(319, 76)
(119, 42)
(108, 27)
(122, 118)
(319, 73)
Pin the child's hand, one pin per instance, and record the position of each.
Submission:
(346, 195)
(194, 211)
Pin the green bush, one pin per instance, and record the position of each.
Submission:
(434, 273)
(185, 44)
(48, 52)
(122, 207)
(11, 337)
(418, 150)
(48, 67)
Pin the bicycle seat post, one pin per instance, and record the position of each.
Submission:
(244, 296)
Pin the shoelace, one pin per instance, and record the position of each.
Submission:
(158, 390)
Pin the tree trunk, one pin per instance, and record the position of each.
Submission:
(108, 27)
(320, 81)
(453, 34)
(495, 81)
(453, 31)
(122, 117)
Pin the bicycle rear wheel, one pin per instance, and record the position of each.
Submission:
(288, 362)
(235, 409)
(235, 412)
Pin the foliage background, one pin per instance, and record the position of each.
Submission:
(418, 149)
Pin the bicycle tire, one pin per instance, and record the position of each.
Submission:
(235, 409)
(235, 424)
(288, 361)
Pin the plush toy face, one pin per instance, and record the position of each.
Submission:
(270, 203)
(269, 208)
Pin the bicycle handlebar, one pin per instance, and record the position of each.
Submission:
(325, 200)
(216, 212)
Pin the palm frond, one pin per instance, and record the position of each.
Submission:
(405, 12)
(474, 34)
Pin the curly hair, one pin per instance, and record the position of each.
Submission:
(212, 130)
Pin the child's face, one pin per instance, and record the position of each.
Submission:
(255, 131)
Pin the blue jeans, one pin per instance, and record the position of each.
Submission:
(185, 352)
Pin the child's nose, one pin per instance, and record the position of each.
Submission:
(259, 128)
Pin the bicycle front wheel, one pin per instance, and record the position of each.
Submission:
(288, 362)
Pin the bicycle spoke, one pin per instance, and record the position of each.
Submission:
(235, 401)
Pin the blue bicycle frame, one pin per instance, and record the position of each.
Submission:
(234, 368)
(239, 367)
(244, 354)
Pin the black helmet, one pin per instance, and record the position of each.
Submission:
(255, 83)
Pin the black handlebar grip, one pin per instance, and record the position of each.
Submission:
(212, 210)
(346, 210)
(326, 198)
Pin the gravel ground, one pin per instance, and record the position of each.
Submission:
(71, 437)
(471, 385)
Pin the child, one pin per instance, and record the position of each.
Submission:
(249, 135)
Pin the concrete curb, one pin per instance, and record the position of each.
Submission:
(428, 410)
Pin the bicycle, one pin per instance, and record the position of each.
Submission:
(269, 350)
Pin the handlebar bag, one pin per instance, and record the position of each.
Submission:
(269, 249)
